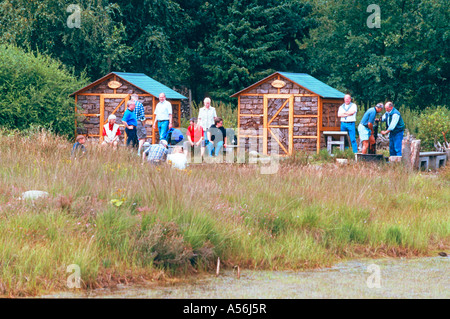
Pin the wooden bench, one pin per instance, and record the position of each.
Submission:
(432, 160)
(336, 138)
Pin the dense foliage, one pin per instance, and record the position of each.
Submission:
(406, 60)
(434, 127)
(34, 91)
(218, 48)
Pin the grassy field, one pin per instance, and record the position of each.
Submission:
(123, 222)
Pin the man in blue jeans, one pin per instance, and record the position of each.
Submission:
(130, 121)
(347, 114)
(217, 137)
(396, 127)
(163, 117)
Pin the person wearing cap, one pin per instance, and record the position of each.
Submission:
(156, 153)
(347, 114)
(396, 128)
(130, 121)
(163, 116)
(111, 132)
(194, 137)
(365, 127)
(140, 116)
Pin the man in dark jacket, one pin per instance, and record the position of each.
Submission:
(396, 127)
(217, 137)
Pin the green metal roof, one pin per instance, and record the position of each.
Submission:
(314, 85)
(305, 80)
(149, 85)
(141, 81)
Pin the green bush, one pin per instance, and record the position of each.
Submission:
(432, 122)
(347, 153)
(410, 117)
(35, 91)
(322, 156)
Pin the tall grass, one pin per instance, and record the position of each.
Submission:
(123, 222)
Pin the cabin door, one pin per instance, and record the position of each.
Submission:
(111, 104)
(278, 124)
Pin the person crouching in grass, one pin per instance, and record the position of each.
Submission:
(78, 149)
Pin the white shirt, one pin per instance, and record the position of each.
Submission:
(393, 123)
(110, 134)
(163, 110)
(348, 108)
(206, 117)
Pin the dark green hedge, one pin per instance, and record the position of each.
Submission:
(34, 91)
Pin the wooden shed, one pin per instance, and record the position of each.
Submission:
(110, 94)
(288, 110)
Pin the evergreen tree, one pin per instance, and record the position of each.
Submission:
(253, 40)
(97, 46)
(405, 60)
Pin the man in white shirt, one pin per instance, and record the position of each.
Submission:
(163, 117)
(206, 116)
(347, 114)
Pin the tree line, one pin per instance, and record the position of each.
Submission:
(220, 47)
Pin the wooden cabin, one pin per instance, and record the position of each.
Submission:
(287, 111)
(110, 94)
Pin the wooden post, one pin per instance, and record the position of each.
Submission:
(415, 153)
(410, 152)
(239, 122)
(102, 117)
(76, 102)
(291, 124)
(319, 121)
(153, 121)
(406, 152)
(265, 127)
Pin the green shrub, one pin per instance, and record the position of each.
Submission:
(298, 157)
(394, 235)
(322, 156)
(410, 117)
(35, 91)
(347, 153)
(431, 123)
(164, 245)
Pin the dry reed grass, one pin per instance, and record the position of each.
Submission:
(123, 222)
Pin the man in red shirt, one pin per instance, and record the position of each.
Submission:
(111, 132)
(194, 137)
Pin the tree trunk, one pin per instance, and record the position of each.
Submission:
(415, 154)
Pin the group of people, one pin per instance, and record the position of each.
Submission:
(205, 133)
(394, 122)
